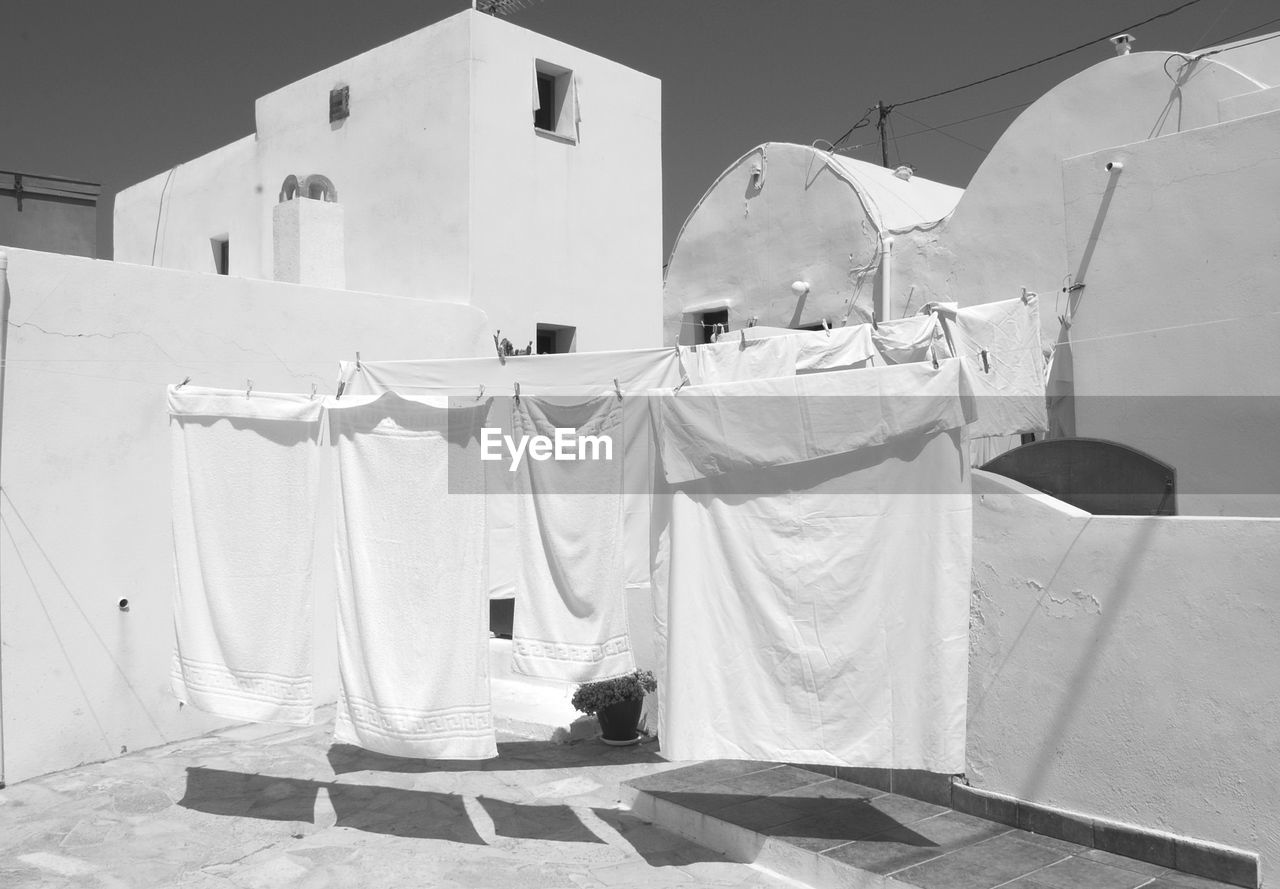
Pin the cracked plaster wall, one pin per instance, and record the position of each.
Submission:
(1124, 667)
(85, 506)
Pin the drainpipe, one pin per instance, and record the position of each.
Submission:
(886, 278)
(4, 342)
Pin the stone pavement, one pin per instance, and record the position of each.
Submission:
(830, 832)
(271, 806)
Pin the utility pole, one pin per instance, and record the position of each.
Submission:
(883, 109)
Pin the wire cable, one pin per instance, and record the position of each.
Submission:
(1058, 55)
(941, 132)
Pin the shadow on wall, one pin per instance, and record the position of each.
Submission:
(512, 756)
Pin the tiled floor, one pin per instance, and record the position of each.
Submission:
(818, 829)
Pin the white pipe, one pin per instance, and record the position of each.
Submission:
(4, 342)
(886, 279)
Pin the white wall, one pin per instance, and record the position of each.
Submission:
(565, 233)
(447, 192)
(802, 219)
(169, 219)
(91, 346)
(1182, 266)
(1125, 667)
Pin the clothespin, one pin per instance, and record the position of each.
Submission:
(684, 381)
(617, 388)
(342, 385)
(742, 343)
(481, 394)
(248, 387)
(935, 359)
(497, 347)
(517, 391)
(183, 383)
(826, 327)
(986, 365)
(358, 367)
(314, 388)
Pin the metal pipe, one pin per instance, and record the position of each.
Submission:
(4, 347)
(886, 278)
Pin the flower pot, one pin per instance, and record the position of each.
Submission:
(618, 721)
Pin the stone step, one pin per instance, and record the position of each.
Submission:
(829, 832)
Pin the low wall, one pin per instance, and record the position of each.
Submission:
(1125, 667)
(85, 504)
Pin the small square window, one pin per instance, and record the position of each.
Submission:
(339, 104)
(708, 321)
(555, 109)
(556, 339)
(221, 254)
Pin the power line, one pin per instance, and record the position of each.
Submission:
(940, 131)
(1065, 52)
(1246, 31)
(941, 127)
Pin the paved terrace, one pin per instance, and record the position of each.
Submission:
(267, 806)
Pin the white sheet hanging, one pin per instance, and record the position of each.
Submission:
(1010, 382)
(816, 610)
(906, 340)
(821, 350)
(245, 482)
(735, 358)
(636, 370)
(571, 615)
(412, 627)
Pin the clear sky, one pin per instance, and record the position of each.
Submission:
(116, 92)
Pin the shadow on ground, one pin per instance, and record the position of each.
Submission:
(512, 756)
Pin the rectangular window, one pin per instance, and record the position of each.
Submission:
(556, 339)
(555, 111)
(707, 322)
(221, 254)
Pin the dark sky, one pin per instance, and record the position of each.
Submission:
(117, 92)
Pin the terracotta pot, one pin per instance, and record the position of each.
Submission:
(618, 722)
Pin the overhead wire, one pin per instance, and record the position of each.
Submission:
(940, 131)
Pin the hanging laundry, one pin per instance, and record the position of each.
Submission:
(245, 483)
(1000, 345)
(636, 370)
(812, 572)
(907, 340)
(571, 613)
(735, 357)
(412, 634)
(822, 350)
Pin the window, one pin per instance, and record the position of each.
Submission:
(221, 254)
(555, 339)
(555, 111)
(339, 104)
(707, 322)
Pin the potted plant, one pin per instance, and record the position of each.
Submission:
(616, 704)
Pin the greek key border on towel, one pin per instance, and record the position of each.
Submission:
(200, 676)
(563, 651)
(406, 723)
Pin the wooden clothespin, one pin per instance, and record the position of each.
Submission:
(986, 365)
(248, 387)
(184, 382)
(617, 388)
(516, 386)
(358, 367)
(481, 393)
(314, 389)
(935, 359)
(742, 342)
(826, 326)
(342, 386)
(497, 347)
